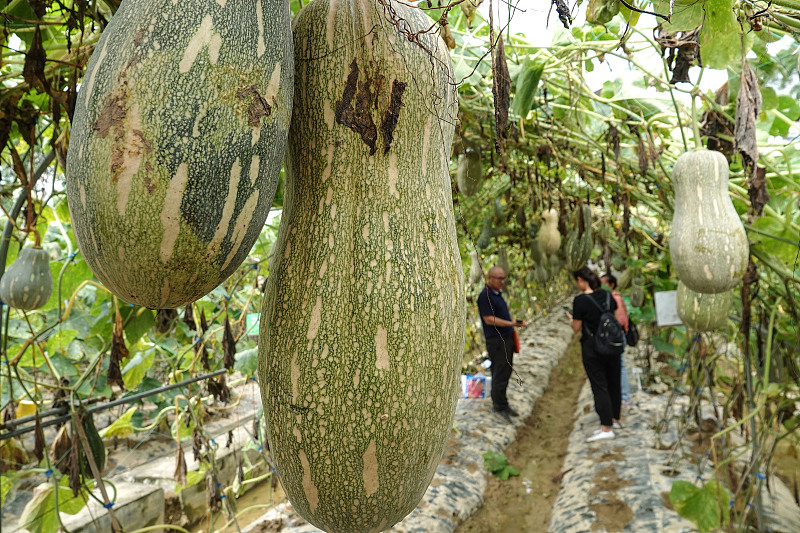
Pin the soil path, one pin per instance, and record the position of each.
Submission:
(525, 502)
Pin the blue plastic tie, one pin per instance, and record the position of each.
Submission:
(750, 505)
(72, 255)
(730, 503)
(260, 448)
(760, 475)
(699, 391)
(49, 472)
(708, 454)
(109, 505)
(214, 443)
(221, 496)
(700, 478)
(228, 298)
(696, 338)
(664, 420)
(255, 267)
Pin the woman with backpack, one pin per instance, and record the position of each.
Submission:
(592, 314)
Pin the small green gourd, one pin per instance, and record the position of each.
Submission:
(708, 244)
(27, 284)
(702, 312)
(625, 279)
(637, 293)
(542, 274)
(469, 175)
(502, 260)
(475, 270)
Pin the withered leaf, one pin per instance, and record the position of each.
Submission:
(188, 318)
(197, 444)
(501, 88)
(164, 319)
(642, 153)
(200, 347)
(118, 352)
(203, 323)
(757, 190)
(748, 106)
(38, 439)
(230, 441)
(180, 467)
(228, 346)
(35, 58)
(60, 450)
(74, 466)
(612, 138)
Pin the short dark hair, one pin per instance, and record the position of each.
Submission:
(586, 274)
(612, 279)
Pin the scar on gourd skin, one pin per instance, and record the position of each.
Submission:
(358, 117)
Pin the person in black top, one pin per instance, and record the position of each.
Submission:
(498, 328)
(603, 372)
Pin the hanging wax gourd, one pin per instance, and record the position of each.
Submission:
(578, 248)
(177, 142)
(702, 312)
(359, 399)
(470, 172)
(548, 236)
(502, 260)
(475, 270)
(637, 293)
(27, 284)
(708, 244)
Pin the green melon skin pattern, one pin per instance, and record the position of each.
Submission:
(362, 327)
(177, 141)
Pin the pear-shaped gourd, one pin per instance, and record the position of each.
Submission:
(469, 175)
(502, 260)
(637, 293)
(475, 269)
(708, 244)
(703, 312)
(625, 279)
(177, 142)
(27, 284)
(548, 236)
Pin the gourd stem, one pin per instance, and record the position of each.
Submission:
(698, 142)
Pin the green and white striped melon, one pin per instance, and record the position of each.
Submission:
(702, 312)
(362, 328)
(177, 142)
(708, 244)
(28, 283)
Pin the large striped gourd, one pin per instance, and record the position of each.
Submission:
(27, 284)
(549, 238)
(362, 328)
(177, 142)
(708, 244)
(702, 312)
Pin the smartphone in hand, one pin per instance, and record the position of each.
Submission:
(567, 309)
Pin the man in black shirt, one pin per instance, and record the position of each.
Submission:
(498, 328)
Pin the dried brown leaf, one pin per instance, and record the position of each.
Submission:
(748, 106)
(180, 467)
(118, 352)
(38, 439)
(757, 190)
(228, 346)
(501, 88)
(35, 58)
(203, 323)
(165, 319)
(188, 318)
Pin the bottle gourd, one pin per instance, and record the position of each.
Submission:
(177, 142)
(702, 312)
(362, 328)
(708, 244)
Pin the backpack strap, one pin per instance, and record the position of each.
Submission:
(608, 304)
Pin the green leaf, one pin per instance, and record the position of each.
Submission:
(63, 365)
(193, 477)
(526, 85)
(720, 38)
(58, 342)
(686, 14)
(601, 11)
(247, 362)
(494, 462)
(67, 503)
(39, 515)
(143, 319)
(76, 273)
(769, 98)
(122, 426)
(137, 367)
(701, 505)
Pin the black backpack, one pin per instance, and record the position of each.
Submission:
(609, 339)
(632, 336)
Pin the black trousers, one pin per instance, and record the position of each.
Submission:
(604, 376)
(501, 354)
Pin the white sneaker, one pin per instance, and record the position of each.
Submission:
(616, 425)
(601, 435)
